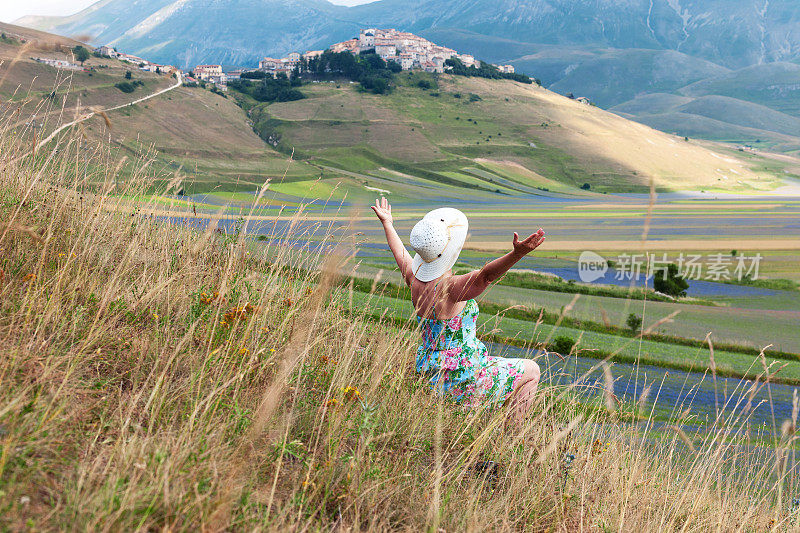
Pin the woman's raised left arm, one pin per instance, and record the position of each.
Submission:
(383, 211)
(472, 285)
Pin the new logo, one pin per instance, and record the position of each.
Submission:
(591, 267)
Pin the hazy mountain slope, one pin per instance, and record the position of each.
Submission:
(233, 32)
(102, 22)
(619, 75)
(743, 113)
(649, 104)
(700, 127)
(187, 32)
(776, 85)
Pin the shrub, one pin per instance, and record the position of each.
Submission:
(634, 322)
(254, 75)
(586, 186)
(670, 282)
(125, 86)
(562, 345)
(424, 84)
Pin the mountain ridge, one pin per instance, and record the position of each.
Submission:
(732, 34)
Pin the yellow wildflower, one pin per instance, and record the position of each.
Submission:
(351, 393)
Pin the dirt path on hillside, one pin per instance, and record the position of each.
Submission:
(89, 115)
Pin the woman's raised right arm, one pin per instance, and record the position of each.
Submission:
(383, 211)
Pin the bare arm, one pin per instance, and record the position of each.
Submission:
(473, 284)
(384, 213)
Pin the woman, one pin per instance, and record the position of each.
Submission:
(456, 361)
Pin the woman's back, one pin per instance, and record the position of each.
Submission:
(434, 299)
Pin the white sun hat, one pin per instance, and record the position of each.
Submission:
(438, 239)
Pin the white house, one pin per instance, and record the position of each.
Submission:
(366, 40)
(467, 59)
(294, 57)
(406, 61)
(385, 48)
(106, 50)
(506, 69)
(131, 59)
(206, 72)
(269, 63)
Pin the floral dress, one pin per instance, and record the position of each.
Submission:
(458, 363)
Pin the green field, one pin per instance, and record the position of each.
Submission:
(593, 344)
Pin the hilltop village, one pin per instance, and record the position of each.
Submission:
(409, 51)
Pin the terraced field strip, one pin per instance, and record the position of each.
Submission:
(593, 344)
(553, 244)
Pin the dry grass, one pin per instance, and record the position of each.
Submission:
(158, 377)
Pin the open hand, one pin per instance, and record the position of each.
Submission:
(383, 210)
(526, 246)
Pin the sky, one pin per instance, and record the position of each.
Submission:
(10, 10)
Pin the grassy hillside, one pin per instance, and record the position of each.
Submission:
(156, 376)
(714, 117)
(702, 127)
(203, 136)
(442, 135)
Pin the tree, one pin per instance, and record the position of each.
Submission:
(81, 54)
(670, 282)
(394, 66)
(634, 322)
(586, 186)
(128, 75)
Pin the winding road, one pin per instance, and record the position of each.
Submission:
(89, 115)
